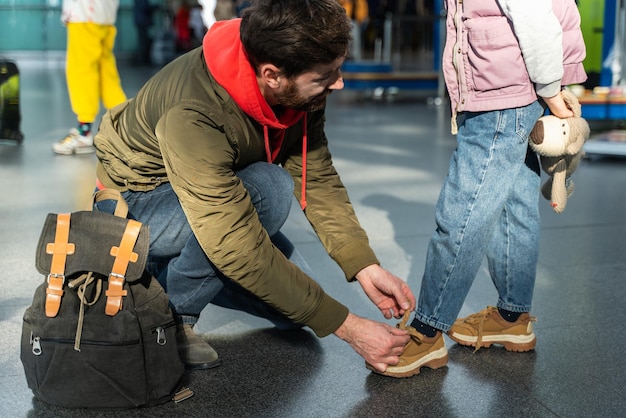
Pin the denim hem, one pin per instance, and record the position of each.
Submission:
(513, 308)
(432, 322)
(186, 319)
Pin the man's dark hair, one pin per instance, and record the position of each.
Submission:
(295, 35)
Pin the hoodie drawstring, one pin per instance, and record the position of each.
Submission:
(266, 139)
(268, 152)
(304, 150)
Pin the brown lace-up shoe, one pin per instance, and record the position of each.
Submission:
(487, 327)
(420, 351)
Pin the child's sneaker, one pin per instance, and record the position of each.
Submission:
(488, 327)
(420, 351)
(74, 143)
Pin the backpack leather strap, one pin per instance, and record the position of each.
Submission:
(123, 255)
(121, 207)
(60, 249)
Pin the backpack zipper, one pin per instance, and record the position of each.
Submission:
(160, 332)
(36, 342)
(161, 339)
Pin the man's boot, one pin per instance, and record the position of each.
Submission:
(194, 351)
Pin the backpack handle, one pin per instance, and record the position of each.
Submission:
(121, 207)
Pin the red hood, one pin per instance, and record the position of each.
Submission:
(228, 63)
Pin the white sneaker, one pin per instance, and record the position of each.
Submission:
(74, 143)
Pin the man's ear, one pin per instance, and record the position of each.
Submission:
(271, 75)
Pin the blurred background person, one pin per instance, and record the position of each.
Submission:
(142, 14)
(240, 6)
(90, 68)
(181, 27)
(196, 24)
(358, 10)
(225, 10)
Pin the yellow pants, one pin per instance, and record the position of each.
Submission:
(91, 70)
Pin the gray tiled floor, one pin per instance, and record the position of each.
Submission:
(392, 157)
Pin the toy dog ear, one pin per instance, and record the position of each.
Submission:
(537, 134)
(571, 101)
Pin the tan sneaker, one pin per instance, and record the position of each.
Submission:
(488, 327)
(420, 351)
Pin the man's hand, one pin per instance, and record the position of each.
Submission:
(389, 293)
(558, 107)
(379, 344)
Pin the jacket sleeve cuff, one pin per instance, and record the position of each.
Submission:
(354, 257)
(548, 90)
(330, 315)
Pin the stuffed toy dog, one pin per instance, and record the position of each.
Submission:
(559, 144)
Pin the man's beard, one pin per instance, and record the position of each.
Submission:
(290, 98)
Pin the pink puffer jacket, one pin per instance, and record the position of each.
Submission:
(483, 63)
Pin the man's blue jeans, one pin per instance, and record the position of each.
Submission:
(488, 206)
(181, 266)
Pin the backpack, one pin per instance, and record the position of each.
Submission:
(99, 332)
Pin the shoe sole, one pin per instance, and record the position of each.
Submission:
(434, 360)
(77, 151)
(517, 343)
(203, 366)
(85, 150)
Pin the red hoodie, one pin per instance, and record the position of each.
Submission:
(228, 63)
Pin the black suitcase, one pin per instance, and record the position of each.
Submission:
(10, 117)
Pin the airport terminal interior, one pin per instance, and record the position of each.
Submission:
(391, 147)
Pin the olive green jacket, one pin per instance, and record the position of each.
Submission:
(184, 128)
